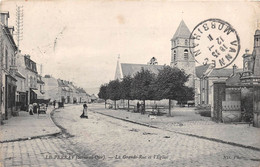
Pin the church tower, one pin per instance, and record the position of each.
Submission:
(181, 56)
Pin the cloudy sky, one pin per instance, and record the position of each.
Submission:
(81, 40)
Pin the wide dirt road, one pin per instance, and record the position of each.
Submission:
(104, 141)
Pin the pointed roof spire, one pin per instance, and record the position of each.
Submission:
(118, 69)
(182, 31)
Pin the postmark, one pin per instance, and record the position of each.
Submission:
(214, 42)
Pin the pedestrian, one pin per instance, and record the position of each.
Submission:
(85, 111)
(138, 106)
(54, 103)
(142, 108)
(30, 109)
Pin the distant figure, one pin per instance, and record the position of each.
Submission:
(30, 109)
(142, 108)
(138, 107)
(85, 111)
(54, 103)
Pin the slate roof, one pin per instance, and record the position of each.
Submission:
(200, 70)
(225, 72)
(182, 31)
(40, 81)
(234, 80)
(81, 90)
(257, 32)
(131, 69)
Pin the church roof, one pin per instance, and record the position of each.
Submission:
(257, 32)
(182, 31)
(200, 70)
(224, 72)
(234, 80)
(131, 69)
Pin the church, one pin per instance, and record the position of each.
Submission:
(181, 58)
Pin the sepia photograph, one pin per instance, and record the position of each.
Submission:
(129, 83)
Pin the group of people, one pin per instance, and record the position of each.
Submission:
(34, 107)
(60, 104)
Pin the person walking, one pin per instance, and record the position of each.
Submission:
(85, 111)
(30, 109)
(138, 106)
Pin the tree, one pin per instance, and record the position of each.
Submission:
(103, 94)
(141, 88)
(170, 85)
(126, 89)
(114, 90)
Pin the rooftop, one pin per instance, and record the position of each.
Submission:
(200, 70)
(182, 31)
(131, 69)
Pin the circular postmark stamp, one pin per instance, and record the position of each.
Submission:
(215, 42)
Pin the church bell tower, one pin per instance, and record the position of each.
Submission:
(181, 56)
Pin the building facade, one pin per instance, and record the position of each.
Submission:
(8, 68)
(28, 69)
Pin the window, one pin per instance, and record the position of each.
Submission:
(174, 55)
(186, 42)
(6, 58)
(31, 81)
(186, 55)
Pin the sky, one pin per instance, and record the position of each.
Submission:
(80, 40)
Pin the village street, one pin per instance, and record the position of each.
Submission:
(121, 143)
(105, 141)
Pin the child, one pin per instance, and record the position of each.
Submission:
(85, 112)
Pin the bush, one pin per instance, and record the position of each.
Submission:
(204, 110)
(205, 113)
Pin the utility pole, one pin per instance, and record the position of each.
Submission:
(19, 24)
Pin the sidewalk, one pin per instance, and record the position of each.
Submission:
(27, 126)
(185, 121)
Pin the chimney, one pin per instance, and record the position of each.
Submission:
(11, 29)
(28, 56)
(4, 18)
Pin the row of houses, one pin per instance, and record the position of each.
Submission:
(20, 82)
(65, 91)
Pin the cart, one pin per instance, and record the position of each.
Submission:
(42, 106)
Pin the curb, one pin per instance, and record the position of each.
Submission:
(62, 129)
(181, 133)
(35, 137)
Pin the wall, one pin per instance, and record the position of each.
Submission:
(52, 90)
(8, 60)
(1, 65)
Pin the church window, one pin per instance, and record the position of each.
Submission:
(186, 42)
(186, 56)
(174, 55)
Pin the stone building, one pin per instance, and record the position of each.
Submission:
(181, 56)
(51, 89)
(27, 67)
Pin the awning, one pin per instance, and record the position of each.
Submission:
(39, 94)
